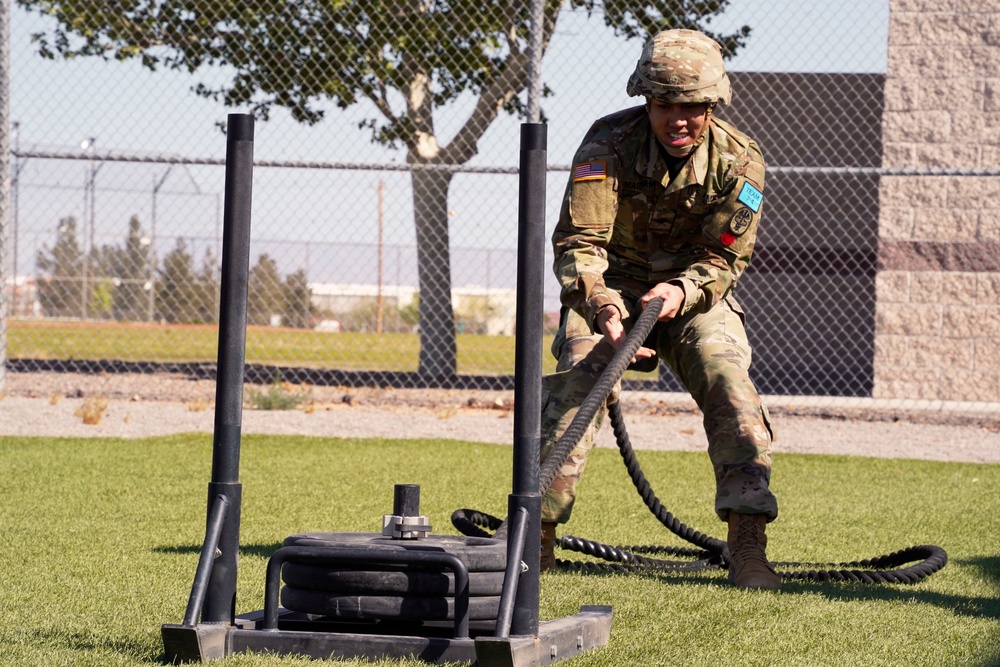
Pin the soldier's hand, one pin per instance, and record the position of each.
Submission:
(673, 299)
(609, 321)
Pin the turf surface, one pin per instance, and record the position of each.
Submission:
(101, 540)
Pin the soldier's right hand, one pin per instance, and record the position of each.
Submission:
(673, 300)
(609, 321)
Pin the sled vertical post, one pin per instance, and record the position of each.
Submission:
(220, 599)
(528, 369)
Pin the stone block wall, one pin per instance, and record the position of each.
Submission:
(937, 319)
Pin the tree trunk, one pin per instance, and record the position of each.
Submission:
(438, 352)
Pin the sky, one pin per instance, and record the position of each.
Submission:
(133, 109)
(127, 109)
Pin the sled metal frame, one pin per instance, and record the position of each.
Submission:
(212, 630)
(310, 636)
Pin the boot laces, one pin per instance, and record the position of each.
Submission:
(748, 545)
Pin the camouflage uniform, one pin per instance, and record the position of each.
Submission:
(625, 226)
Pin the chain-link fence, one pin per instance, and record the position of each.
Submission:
(385, 192)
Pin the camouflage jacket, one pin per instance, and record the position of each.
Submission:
(622, 216)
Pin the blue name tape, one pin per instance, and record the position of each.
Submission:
(751, 196)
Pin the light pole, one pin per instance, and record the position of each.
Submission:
(487, 315)
(89, 195)
(151, 258)
(146, 243)
(381, 226)
(15, 129)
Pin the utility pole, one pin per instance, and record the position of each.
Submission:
(381, 231)
(15, 185)
(89, 197)
(151, 258)
(4, 180)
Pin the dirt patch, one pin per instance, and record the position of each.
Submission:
(138, 405)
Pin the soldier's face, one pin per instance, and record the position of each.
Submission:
(678, 126)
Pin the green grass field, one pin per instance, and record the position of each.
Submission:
(477, 354)
(101, 540)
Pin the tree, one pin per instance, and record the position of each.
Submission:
(131, 274)
(181, 295)
(297, 301)
(61, 270)
(100, 287)
(209, 286)
(264, 293)
(407, 57)
(475, 314)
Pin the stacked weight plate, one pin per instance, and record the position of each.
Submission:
(395, 591)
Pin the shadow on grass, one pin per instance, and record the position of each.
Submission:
(978, 607)
(259, 550)
(79, 640)
(989, 567)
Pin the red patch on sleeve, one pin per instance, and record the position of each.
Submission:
(727, 239)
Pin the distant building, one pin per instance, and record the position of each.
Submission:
(22, 297)
(344, 297)
(480, 310)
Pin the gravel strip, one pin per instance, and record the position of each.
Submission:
(137, 406)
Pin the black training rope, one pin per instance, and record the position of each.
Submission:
(711, 553)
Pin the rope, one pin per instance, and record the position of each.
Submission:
(670, 522)
(920, 561)
(597, 396)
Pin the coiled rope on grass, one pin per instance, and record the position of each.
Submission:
(906, 566)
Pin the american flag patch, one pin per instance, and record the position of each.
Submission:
(590, 171)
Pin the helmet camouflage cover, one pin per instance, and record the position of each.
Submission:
(681, 67)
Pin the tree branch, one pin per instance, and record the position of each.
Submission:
(506, 87)
(378, 97)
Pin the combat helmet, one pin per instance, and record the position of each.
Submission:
(681, 67)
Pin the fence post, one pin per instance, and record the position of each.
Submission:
(4, 180)
(535, 40)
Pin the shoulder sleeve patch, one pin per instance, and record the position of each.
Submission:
(593, 200)
(751, 196)
(590, 171)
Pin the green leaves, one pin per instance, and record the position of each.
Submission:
(408, 57)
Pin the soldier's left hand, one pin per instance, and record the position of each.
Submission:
(673, 299)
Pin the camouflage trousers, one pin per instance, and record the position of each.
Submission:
(710, 354)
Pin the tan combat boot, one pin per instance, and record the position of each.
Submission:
(748, 564)
(548, 557)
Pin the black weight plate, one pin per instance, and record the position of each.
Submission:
(337, 579)
(480, 554)
(419, 608)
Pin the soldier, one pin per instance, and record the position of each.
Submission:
(663, 201)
